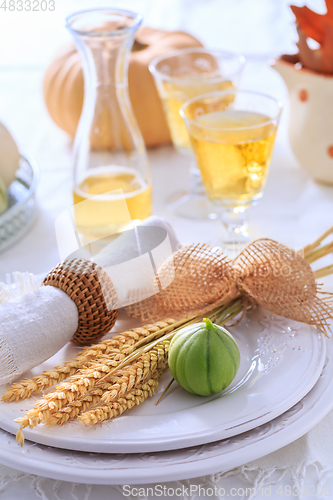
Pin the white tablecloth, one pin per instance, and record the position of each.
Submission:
(294, 209)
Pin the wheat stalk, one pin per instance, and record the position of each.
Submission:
(120, 383)
(82, 382)
(107, 411)
(25, 388)
(74, 409)
(309, 250)
(46, 409)
(41, 413)
(100, 413)
(125, 343)
(128, 390)
(109, 390)
(144, 368)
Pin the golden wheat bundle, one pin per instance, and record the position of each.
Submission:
(124, 344)
(118, 382)
(114, 384)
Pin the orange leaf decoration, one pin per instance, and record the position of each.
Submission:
(319, 28)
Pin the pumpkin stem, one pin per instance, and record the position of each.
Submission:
(208, 322)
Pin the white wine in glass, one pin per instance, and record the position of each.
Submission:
(232, 134)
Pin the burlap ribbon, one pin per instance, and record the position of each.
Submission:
(265, 273)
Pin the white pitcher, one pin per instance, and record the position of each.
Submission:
(311, 118)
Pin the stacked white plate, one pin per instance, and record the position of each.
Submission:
(280, 392)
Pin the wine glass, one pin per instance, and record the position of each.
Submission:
(179, 76)
(232, 135)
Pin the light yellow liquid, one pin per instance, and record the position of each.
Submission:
(234, 162)
(175, 95)
(103, 213)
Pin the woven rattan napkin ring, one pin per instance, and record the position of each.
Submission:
(93, 293)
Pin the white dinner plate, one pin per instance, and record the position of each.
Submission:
(281, 360)
(143, 468)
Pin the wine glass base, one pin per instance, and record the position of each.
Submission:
(192, 206)
(235, 235)
(228, 247)
(235, 239)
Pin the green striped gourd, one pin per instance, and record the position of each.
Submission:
(204, 358)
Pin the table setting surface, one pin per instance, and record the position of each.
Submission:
(294, 211)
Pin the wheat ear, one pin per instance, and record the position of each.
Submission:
(112, 388)
(136, 396)
(103, 412)
(118, 385)
(131, 376)
(125, 343)
(42, 412)
(46, 408)
(81, 383)
(74, 408)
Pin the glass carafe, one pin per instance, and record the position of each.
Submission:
(112, 185)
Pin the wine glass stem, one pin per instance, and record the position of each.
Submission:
(234, 220)
(235, 223)
(196, 185)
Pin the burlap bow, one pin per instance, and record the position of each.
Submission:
(265, 273)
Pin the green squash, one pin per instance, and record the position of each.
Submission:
(204, 358)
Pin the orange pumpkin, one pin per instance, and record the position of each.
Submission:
(63, 84)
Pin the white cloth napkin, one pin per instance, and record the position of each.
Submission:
(35, 325)
(33, 328)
